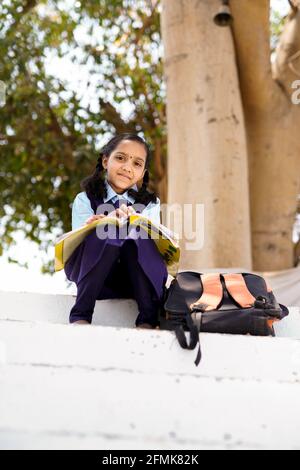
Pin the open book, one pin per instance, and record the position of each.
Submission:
(166, 241)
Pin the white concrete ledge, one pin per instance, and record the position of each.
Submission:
(88, 387)
(105, 388)
(55, 308)
(105, 409)
(148, 351)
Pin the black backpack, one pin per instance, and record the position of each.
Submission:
(234, 303)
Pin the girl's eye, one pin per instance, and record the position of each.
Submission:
(138, 164)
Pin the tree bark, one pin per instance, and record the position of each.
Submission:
(207, 150)
(272, 124)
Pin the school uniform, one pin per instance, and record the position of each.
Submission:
(115, 267)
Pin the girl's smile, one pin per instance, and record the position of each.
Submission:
(125, 166)
(127, 177)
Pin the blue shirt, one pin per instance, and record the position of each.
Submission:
(82, 210)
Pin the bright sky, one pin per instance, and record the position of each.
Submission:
(280, 5)
(31, 280)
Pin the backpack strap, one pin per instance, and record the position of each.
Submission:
(237, 288)
(193, 337)
(212, 293)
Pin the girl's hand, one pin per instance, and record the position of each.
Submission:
(131, 211)
(94, 217)
(122, 211)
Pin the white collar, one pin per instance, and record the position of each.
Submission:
(111, 193)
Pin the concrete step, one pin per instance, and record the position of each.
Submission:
(65, 408)
(83, 387)
(151, 351)
(115, 387)
(55, 308)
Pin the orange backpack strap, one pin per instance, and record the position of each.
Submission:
(237, 288)
(212, 293)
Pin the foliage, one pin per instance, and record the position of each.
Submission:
(49, 132)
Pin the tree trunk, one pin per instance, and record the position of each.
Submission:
(207, 150)
(272, 124)
(160, 170)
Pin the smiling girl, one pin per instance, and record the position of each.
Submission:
(113, 267)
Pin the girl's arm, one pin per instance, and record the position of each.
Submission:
(122, 211)
(81, 210)
(119, 213)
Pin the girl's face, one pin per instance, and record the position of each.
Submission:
(126, 165)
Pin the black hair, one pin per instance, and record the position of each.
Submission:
(94, 185)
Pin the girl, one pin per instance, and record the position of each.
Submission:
(113, 267)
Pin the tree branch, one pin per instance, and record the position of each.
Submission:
(251, 32)
(158, 168)
(293, 6)
(286, 67)
(112, 116)
(29, 5)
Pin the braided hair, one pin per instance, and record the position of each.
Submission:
(94, 184)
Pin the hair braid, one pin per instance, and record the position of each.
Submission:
(143, 196)
(94, 185)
